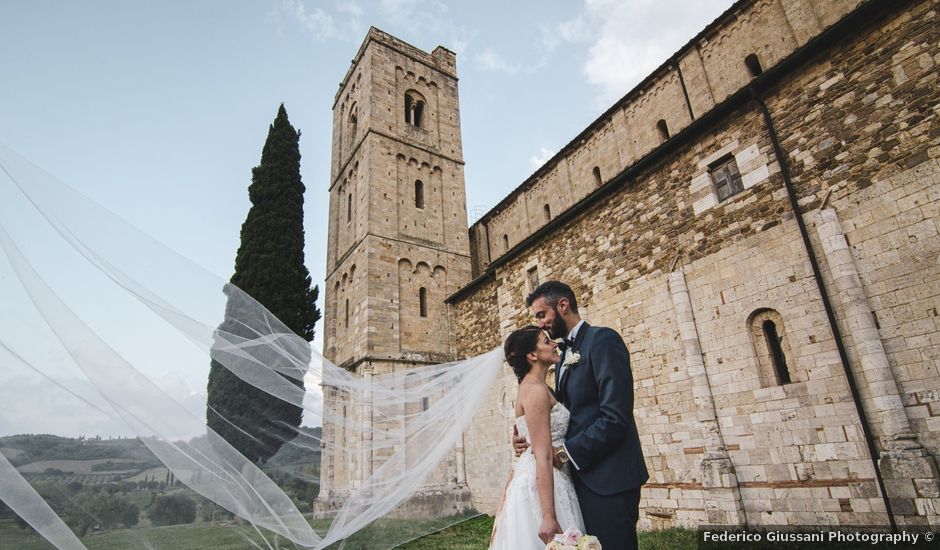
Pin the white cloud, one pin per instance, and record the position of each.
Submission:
(570, 31)
(488, 60)
(630, 39)
(425, 19)
(352, 8)
(541, 158)
(320, 24)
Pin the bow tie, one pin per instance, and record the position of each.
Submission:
(565, 344)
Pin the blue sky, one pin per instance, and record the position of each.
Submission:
(159, 110)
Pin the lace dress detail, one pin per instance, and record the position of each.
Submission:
(517, 526)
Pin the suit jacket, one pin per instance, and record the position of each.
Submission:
(602, 438)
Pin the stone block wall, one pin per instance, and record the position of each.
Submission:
(396, 249)
(858, 126)
(703, 73)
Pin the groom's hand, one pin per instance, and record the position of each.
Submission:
(518, 442)
(556, 462)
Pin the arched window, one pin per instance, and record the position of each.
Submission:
(347, 312)
(409, 108)
(353, 123)
(597, 176)
(771, 347)
(547, 211)
(777, 357)
(505, 242)
(349, 208)
(419, 194)
(753, 65)
(423, 302)
(414, 108)
(663, 130)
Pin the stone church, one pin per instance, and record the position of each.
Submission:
(758, 218)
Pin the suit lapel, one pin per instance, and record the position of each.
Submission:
(582, 333)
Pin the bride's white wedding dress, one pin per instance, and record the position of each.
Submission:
(518, 522)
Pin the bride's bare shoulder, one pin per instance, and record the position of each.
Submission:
(535, 394)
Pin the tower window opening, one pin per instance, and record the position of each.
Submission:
(597, 176)
(777, 356)
(419, 194)
(423, 302)
(347, 313)
(506, 242)
(414, 109)
(753, 65)
(353, 124)
(547, 211)
(349, 208)
(663, 130)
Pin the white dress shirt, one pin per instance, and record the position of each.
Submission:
(561, 371)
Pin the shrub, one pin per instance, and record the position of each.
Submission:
(172, 510)
(210, 511)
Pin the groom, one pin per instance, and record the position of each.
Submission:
(594, 381)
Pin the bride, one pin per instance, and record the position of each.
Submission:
(539, 501)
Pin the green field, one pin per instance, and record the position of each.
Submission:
(472, 534)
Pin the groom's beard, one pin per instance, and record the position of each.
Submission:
(558, 329)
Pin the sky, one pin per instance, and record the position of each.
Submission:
(159, 110)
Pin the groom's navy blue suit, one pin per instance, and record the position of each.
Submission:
(602, 438)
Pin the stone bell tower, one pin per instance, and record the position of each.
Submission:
(398, 246)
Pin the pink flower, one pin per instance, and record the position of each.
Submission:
(571, 536)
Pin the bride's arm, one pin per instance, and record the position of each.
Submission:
(537, 405)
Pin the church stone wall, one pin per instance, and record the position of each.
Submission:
(859, 127)
(711, 67)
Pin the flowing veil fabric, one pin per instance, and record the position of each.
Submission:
(184, 304)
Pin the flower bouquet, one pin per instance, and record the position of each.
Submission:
(572, 539)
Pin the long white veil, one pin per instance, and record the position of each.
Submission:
(170, 314)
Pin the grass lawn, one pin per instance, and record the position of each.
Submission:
(473, 534)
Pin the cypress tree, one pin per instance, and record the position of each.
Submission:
(269, 266)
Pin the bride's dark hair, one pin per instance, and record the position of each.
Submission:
(519, 344)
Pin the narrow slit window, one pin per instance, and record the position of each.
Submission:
(423, 302)
(777, 357)
(663, 130)
(505, 242)
(347, 313)
(547, 211)
(597, 176)
(533, 276)
(349, 208)
(419, 194)
(753, 65)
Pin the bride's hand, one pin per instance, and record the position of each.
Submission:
(519, 444)
(549, 529)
